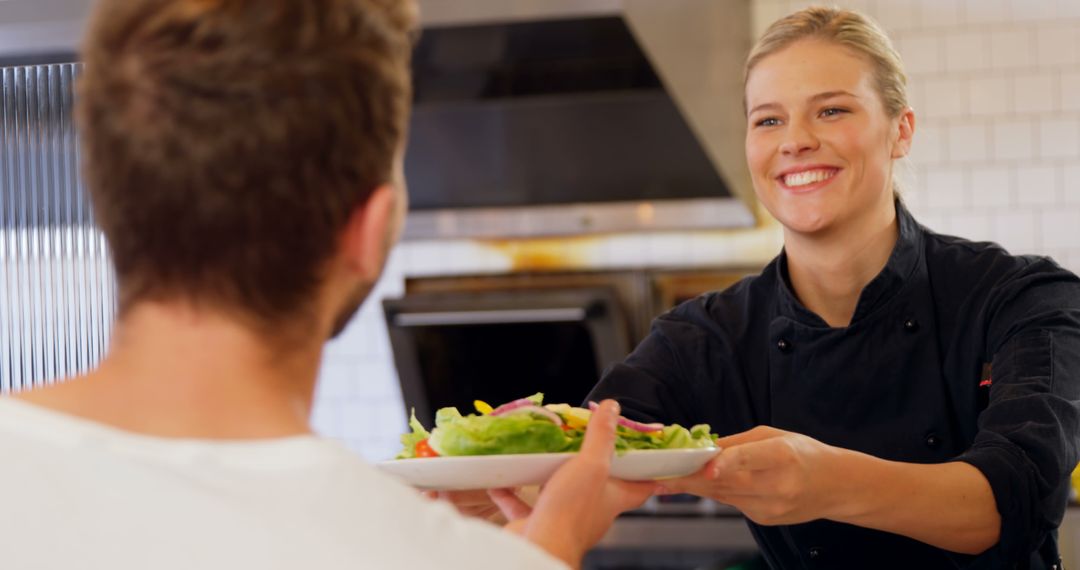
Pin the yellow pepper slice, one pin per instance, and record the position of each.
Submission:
(483, 407)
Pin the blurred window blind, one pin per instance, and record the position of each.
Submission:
(57, 287)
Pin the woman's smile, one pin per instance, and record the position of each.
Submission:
(806, 179)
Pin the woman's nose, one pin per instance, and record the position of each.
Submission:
(798, 139)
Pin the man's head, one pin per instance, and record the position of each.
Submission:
(234, 148)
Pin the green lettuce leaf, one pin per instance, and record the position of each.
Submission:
(409, 440)
(494, 435)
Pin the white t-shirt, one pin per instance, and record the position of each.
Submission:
(78, 494)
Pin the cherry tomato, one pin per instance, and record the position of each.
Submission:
(424, 450)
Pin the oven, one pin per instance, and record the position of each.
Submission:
(499, 337)
(453, 348)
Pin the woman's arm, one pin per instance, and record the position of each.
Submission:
(948, 505)
(776, 477)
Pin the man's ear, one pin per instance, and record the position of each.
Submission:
(904, 134)
(364, 238)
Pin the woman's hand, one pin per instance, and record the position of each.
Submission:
(475, 504)
(580, 501)
(773, 476)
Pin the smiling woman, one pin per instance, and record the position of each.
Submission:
(895, 398)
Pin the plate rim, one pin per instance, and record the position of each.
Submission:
(713, 449)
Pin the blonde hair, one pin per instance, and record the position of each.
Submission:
(849, 29)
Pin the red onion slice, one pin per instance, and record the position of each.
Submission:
(533, 410)
(511, 406)
(631, 424)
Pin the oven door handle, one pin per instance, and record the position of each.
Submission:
(491, 317)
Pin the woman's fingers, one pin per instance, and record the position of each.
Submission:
(512, 507)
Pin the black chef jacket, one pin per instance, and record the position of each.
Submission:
(957, 351)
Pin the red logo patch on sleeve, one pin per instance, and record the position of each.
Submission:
(985, 379)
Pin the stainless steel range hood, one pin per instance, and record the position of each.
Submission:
(36, 31)
(661, 118)
(555, 117)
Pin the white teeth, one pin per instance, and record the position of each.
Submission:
(807, 177)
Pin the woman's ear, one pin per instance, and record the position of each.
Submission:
(366, 238)
(904, 133)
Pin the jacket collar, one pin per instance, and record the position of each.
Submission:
(903, 261)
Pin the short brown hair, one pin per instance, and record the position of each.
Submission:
(226, 142)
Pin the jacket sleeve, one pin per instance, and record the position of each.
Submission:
(650, 385)
(1027, 440)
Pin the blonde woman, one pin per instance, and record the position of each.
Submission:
(891, 397)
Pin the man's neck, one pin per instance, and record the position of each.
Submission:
(175, 371)
(828, 272)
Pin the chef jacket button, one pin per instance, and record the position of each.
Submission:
(933, 441)
(816, 553)
(911, 325)
(783, 345)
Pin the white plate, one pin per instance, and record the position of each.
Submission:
(496, 471)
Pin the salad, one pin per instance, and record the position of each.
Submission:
(529, 426)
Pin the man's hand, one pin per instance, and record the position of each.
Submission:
(774, 477)
(580, 501)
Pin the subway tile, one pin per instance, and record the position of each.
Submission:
(1014, 230)
(1037, 185)
(350, 342)
(921, 53)
(865, 7)
(354, 422)
(1034, 10)
(939, 14)
(1056, 45)
(1059, 227)
(1072, 263)
(1034, 92)
(324, 418)
(796, 5)
(1059, 138)
(992, 186)
(916, 94)
(945, 188)
(990, 96)
(1070, 184)
(967, 51)
(936, 221)
(898, 15)
(928, 147)
(946, 97)
(1011, 48)
(915, 197)
(337, 378)
(971, 225)
(764, 13)
(968, 142)
(392, 415)
(980, 12)
(1068, 9)
(1013, 140)
(1069, 89)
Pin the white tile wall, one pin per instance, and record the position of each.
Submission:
(996, 88)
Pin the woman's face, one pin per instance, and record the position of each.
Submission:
(819, 143)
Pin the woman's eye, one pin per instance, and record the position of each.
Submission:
(832, 112)
(769, 122)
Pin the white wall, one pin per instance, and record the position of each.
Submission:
(996, 88)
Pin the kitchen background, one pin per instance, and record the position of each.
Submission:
(996, 88)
